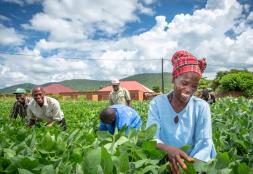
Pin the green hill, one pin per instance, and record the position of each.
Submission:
(148, 79)
(85, 85)
(153, 79)
(11, 89)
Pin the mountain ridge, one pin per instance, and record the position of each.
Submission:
(149, 80)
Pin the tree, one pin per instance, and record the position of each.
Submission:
(237, 81)
(156, 89)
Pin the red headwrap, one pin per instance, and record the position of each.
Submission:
(184, 61)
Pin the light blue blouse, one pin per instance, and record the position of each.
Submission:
(194, 127)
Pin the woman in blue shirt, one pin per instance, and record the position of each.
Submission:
(181, 118)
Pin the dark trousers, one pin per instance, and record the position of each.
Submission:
(63, 124)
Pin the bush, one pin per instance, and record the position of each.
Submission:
(156, 89)
(238, 81)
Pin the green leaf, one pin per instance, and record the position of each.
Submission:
(47, 143)
(72, 136)
(9, 153)
(79, 169)
(201, 166)
(76, 154)
(185, 148)
(25, 162)
(139, 163)
(92, 161)
(132, 133)
(243, 168)
(49, 169)
(150, 169)
(24, 171)
(104, 136)
(190, 168)
(222, 160)
(123, 162)
(150, 148)
(119, 142)
(150, 132)
(32, 141)
(106, 161)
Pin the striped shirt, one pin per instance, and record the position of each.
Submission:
(119, 97)
(19, 109)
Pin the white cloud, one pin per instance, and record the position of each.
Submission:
(250, 17)
(8, 36)
(77, 19)
(204, 33)
(4, 18)
(38, 70)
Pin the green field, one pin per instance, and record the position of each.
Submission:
(83, 149)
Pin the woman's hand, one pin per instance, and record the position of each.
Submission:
(175, 157)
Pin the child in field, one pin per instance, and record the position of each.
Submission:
(181, 118)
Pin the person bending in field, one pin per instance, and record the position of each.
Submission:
(116, 116)
(20, 106)
(44, 108)
(181, 118)
(208, 97)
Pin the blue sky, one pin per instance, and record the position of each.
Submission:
(115, 39)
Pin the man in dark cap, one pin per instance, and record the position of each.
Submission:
(20, 106)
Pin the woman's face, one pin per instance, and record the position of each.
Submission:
(185, 86)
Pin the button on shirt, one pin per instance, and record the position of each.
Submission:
(125, 115)
(49, 111)
(119, 97)
(193, 128)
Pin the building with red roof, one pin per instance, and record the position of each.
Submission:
(57, 89)
(137, 90)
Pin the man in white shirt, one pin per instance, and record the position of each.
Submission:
(44, 108)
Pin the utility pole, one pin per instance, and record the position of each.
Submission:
(162, 78)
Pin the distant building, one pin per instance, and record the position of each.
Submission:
(137, 91)
(57, 89)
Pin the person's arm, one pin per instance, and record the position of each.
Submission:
(102, 126)
(110, 99)
(57, 114)
(14, 111)
(31, 118)
(203, 148)
(128, 97)
(129, 103)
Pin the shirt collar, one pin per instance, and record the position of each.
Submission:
(45, 101)
(118, 90)
(27, 100)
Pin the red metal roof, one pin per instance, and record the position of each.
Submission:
(129, 85)
(56, 89)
